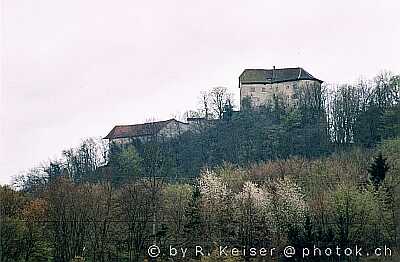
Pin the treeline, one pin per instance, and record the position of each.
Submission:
(344, 199)
(324, 120)
(324, 172)
(366, 112)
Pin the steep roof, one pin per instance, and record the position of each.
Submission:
(269, 76)
(138, 130)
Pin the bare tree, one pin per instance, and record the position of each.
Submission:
(69, 213)
(386, 90)
(219, 98)
(82, 162)
(102, 210)
(134, 201)
(204, 102)
(33, 181)
(344, 112)
(365, 93)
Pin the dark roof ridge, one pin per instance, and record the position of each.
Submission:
(275, 75)
(161, 121)
(297, 67)
(120, 131)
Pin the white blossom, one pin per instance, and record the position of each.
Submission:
(258, 197)
(212, 188)
(290, 206)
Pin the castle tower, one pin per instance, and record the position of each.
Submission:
(260, 85)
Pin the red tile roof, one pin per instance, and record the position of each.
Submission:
(138, 130)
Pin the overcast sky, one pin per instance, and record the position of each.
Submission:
(73, 69)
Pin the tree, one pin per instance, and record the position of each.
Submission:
(245, 104)
(391, 123)
(125, 162)
(368, 126)
(358, 216)
(134, 201)
(378, 170)
(194, 227)
(54, 169)
(344, 111)
(102, 210)
(205, 104)
(290, 208)
(34, 181)
(219, 97)
(69, 213)
(82, 162)
(11, 226)
(37, 246)
(228, 111)
(175, 200)
(386, 90)
(156, 161)
(254, 215)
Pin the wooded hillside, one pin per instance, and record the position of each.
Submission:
(324, 173)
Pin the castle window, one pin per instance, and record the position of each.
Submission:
(263, 89)
(253, 89)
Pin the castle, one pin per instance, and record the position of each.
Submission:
(259, 86)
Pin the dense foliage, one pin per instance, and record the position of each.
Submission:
(324, 172)
(325, 201)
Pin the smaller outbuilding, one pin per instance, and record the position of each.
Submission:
(123, 134)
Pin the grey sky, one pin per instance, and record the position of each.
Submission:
(73, 69)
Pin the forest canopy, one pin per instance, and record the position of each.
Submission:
(324, 172)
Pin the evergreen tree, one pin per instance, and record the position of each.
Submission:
(228, 111)
(193, 228)
(378, 170)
